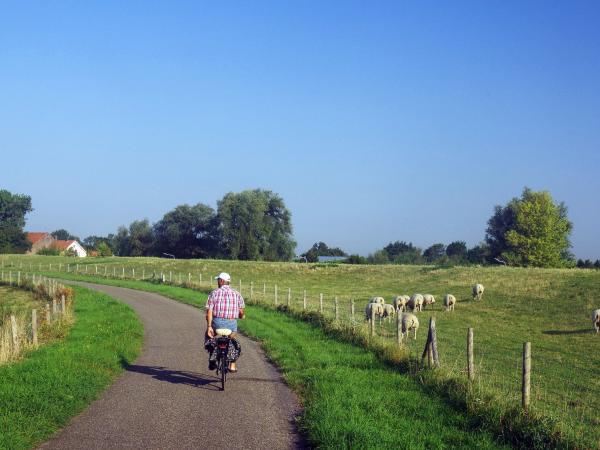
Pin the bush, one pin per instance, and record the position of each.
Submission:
(49, 251)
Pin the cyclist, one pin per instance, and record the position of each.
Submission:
(223, 307)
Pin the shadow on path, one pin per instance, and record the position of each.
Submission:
(176, 376)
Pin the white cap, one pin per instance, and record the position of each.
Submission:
(223, 276)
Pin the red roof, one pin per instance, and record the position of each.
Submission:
(35, 236)
(61, 245)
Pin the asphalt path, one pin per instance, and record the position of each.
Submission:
(168, 399)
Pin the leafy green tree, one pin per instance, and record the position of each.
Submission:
(480, 254)
(355, 259)
(187, 232)
(13, 208)
(104, 249)
(64, 235)
(255, 225)
(141, 238)
(321, 249)
(93, 242)
(379, 257)
(121, 244)
(531, 231)
(401, 252)
(457, 251)
(434, 253)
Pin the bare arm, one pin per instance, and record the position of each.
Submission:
(209, 328)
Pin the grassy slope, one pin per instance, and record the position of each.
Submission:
(41, 393)
(17, 301)
(549, 307)
(351, 399)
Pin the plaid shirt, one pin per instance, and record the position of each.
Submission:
(225, 302)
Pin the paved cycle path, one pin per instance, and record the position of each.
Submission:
(168, 399)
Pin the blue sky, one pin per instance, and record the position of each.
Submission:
(375, 121)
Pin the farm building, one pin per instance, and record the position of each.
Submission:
(327, 259)
(40, 240)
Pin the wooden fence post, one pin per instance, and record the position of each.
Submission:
(372, 323)
(144, 273)
(264, 290)
(34, 327)
(337, 312)
(431, 346)
(48, 316)
(321, 303)
(470, 365)
(289, 297)
(276, 295)
(251, 290)
(15, 335)
(352, 311)
(240, 289)
(304, 300)
(62, 303)
(526, 390)
(54, 306)
(399, 328)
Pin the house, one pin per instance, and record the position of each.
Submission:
(67, 246)
(40, 240)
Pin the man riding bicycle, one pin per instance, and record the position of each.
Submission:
(223, 307)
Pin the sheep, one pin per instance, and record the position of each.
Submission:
(400, 302)
(416, 302)
(373, 308)
(428, 299)
(388, 312)
(596, 319)
(379, 300)
(409, 322)
(449, 302)
(477, 291)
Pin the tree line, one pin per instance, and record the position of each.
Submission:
(530, 230)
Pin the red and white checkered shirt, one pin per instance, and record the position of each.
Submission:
(225, 302)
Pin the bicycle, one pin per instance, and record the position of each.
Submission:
(222, 340)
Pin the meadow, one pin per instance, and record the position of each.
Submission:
(548, 307)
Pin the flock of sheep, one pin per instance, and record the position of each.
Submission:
(416, 303)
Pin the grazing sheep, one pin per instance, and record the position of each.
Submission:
(428, 299)
(449, 302)
(477, 291)
(379, 300)
(409, 322)
(416, 302)
(596, 319)
(400, 302)
(388, 312)
(375, 308)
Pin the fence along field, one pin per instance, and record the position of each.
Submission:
(22, 328)
(549, 308)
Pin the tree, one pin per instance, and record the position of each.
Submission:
(434, 253)
(401, 252)
(104, 249)
(255, 225)
(121, 244)
(13, 208)
(187, 232)
(531, 231)
(93, 242)
(480, 254)
(64, 235)
(141, 238)
(321, 249)
(457, 251)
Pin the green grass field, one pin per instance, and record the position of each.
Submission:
(548, 307)
(17, 301)
(39, 394)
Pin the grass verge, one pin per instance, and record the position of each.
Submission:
(40, 394)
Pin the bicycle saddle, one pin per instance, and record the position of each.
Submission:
(223, 331)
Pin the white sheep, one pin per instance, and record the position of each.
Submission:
(477, 291)
(596, 319)
(400, 302)
(388, 312)
(428, 299)
(416, 302)
(373, 308)
(449, 302)
(379, 300)
(409, 322)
